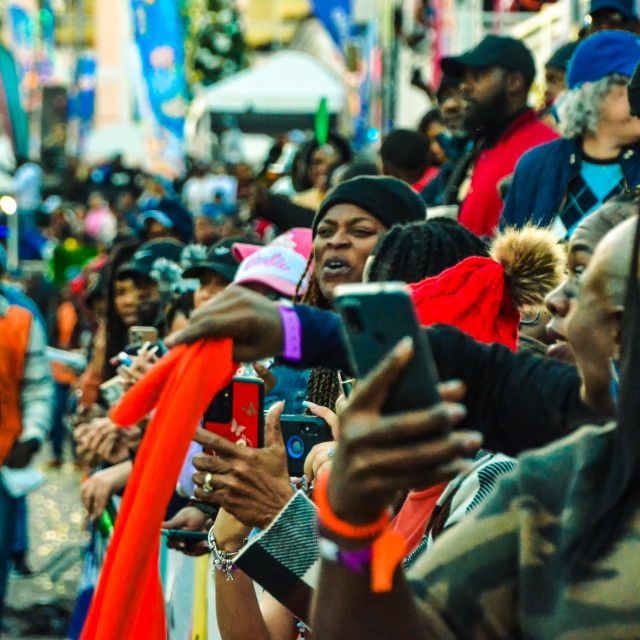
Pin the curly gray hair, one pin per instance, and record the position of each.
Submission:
(580, 108)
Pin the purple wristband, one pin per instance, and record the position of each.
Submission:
(355, 560)
(292, 334)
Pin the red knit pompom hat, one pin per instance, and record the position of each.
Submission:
(479, 295)
(473, 297)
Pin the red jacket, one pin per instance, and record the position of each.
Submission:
(482, 205)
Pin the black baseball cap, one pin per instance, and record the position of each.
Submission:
(626, 7)
(219, 258)
(143, 260)
(493, 51)
(561, 56)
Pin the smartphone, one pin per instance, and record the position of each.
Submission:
(184, 535)
(139, 335)
(112, 390)
(375, 317)
(237, 412)
(207, 509)
(300, 435)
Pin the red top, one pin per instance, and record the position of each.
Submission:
(482, 205)
(428, 176)
(415, 514)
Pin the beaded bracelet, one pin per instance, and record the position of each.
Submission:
(223, 560)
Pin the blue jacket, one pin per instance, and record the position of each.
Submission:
(539, 188)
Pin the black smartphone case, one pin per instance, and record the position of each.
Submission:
(300, 435)
(373, 323)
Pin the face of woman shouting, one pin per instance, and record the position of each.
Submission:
(345, 238)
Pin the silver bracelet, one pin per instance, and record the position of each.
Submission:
(223, 560)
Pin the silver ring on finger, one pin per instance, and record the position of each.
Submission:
(331, 451)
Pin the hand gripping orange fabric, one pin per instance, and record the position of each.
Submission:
(128, 600)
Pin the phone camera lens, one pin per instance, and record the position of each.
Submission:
(295, 447)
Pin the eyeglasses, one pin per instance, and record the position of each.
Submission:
(530, 316)
(346, 385)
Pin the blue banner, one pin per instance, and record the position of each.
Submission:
(47, 34)
(160, 40)
(13, 117)
(23, 39)
(81, 99)
(335, 15)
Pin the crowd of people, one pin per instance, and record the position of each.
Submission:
(509, 508)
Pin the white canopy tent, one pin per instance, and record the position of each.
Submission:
(286, 82)
(279, 93)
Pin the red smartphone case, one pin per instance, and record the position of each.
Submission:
(237, 412)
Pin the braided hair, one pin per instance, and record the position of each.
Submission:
(323, 387)
(417, 250)
(407, 252)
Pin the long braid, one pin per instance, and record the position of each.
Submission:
(323, 387)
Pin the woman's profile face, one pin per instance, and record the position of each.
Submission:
(560, 302)
(593, 325)
(614, 113)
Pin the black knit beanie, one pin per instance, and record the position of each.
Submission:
(388, 199)
(634, 93)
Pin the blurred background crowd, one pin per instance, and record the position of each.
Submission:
(154, 153)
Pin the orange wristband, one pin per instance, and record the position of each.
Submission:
(340, 527)
(388, 549)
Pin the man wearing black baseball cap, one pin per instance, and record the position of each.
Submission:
(495, 79)
(215, 269)
(621, 15)
(153, 266)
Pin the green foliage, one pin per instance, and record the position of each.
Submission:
(215, 46)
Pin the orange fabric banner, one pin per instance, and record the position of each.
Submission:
(128, 601)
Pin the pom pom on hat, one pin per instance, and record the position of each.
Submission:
(481, 296)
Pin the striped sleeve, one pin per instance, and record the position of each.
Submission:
(37, 388)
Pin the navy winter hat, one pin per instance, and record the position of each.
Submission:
(603, 54)
(388, 199)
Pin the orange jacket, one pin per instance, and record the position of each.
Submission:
(15, 328)
(67, 319)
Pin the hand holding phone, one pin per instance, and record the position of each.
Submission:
(237, 412)
(375, 317)
(139, 335)
(300, 434)
(112, 390)
(178, 534)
